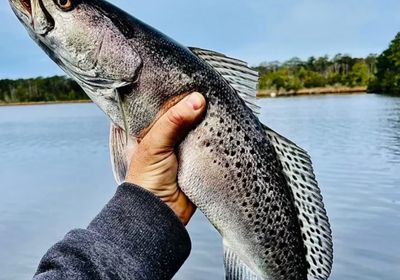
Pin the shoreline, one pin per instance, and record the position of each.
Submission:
(12, 104)
(313, 91)
(260, 94)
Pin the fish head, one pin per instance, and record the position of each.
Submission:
(82, 39)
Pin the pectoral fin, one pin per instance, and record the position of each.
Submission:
(121, 147)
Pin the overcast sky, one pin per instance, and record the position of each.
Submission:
(253, 30)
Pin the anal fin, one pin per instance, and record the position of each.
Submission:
(235, 268)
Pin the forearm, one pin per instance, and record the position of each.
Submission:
(136, 236)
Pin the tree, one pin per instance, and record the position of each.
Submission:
(359, 74)
(387, 78)
(40, 89)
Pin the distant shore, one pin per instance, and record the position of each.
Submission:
(312, 91)
(44, 103)
(260, 94)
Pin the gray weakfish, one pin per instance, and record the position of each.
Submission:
(255, 186)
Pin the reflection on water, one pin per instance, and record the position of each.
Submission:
(55, 175)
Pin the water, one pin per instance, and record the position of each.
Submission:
(55, 175)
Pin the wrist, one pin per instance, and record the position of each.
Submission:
(181, 206)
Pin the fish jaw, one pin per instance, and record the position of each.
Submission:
(87, 45)
(34, 16)
(23, 11)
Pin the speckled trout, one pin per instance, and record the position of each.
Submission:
(256, 187)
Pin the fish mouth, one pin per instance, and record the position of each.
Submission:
(27, 5)
(34, 16)
(23, 10)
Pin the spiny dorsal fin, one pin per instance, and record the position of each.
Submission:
(313, 220)
(238, 74)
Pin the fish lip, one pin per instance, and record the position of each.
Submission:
(23, 11)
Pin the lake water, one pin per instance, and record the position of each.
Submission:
(55, 175)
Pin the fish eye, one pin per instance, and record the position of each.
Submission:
(65, 5)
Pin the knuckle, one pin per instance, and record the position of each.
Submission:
(175, 117)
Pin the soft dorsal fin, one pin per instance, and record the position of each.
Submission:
(313, 220)
(238, 74)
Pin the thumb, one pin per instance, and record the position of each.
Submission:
(176, 122)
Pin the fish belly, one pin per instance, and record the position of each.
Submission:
(230, 171)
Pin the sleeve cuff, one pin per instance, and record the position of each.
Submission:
(141, 224)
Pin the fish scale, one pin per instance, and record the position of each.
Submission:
(255, 186)
(249, 179)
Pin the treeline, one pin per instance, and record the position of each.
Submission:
(296, 74)
(387, 78)
(40, 89)
(381, 74)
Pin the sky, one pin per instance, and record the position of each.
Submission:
(252, 30)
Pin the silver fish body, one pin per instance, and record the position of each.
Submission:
(256, 187)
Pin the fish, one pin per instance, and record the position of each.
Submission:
(256, 187)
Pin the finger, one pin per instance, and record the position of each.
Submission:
(176, 122)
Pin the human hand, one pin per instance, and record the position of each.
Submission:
(154, 165)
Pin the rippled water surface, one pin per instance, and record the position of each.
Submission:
(55, 175)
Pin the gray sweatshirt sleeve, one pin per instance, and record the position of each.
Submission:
(136, 236)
